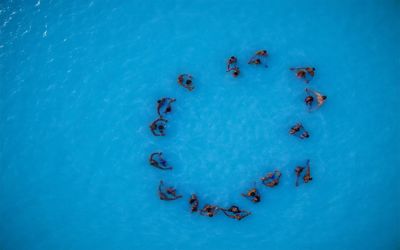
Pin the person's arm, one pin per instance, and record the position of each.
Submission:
(159, 105)
(297, 180)
(228, 67)
(316, 93)
(175, 197)
(153, 131)
(151, 158)
(161, 194)
(244, 214)
(252, 59)
(294, 68)
(227, 214)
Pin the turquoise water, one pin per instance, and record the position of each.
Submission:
(79, 83)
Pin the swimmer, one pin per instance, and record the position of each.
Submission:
(304, 72)
(298, 170)
(262, 52)
(299, 131)
(310, 71)
(234, 212)
(309, 99)
(209, 210)
(253, 195)
(166, 101)
(307, 177)
(167, 194)
(231, 64)
(271, 179)
(256, 59)
(158, 126)
(296, 128)
(186, 81)
(304, 135)
(194, 203)
(160, 163)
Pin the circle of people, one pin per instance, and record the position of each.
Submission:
(313, 101)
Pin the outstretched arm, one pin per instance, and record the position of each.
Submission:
(297, 68)
(160, 186)
(316, 93)
(244, 214)
(227, 214)
(252, 59)
(297, 181)
(153, 154)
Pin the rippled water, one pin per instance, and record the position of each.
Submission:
(78, 88)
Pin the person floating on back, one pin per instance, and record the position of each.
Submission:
(271, 179)
(299, 131)
(258, 57)
(232, 66)
(234, 212)
(299, 171)
(209, 210)
(194, 203)
(156, 160)
(164, 106)
(253, 195)
(167, 194)
(158, 126)
(311, 95)
(305, 73)
(186, 81)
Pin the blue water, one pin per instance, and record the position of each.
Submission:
(79, 82)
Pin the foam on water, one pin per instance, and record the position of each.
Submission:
(79, 82)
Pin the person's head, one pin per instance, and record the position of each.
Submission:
(161, 127)
(301, 74)
(257, 61)
(309, 99)
(188, 82)
(236, 72)
(265, 52)
(256, 198)
(235, 209)
(324, 97)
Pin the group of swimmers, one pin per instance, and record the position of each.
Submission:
(313, 101)
(256, 59)
(271, 180)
